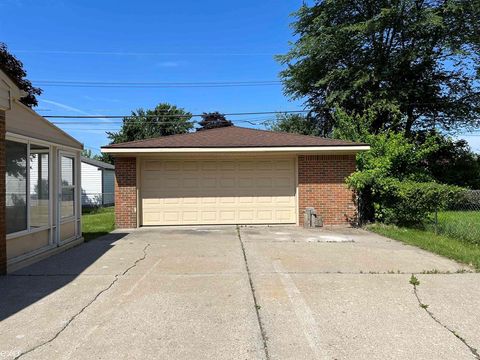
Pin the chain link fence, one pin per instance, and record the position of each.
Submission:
(461, 220)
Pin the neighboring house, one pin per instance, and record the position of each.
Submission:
(232, 175)
(98, 179)
(40, 189)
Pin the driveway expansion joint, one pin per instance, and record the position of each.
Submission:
(432, 315)
(84, 308)
(255, 302)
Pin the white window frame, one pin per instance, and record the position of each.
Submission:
(29, 229)
(60, 185)
(76, 209)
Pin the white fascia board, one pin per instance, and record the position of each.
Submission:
(306, 149)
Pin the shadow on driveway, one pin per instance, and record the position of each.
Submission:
(31, 284)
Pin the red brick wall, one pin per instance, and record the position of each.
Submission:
(125, 193)
(321, 184)
(3, 240)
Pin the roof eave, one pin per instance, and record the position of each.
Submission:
(264, 149)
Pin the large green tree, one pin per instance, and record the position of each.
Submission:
(412, 64)
(14, 69)
(294, 123)
(165, 119)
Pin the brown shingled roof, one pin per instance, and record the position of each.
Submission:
(233, 136)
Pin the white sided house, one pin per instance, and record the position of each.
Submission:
(98, 183)
(40, 187)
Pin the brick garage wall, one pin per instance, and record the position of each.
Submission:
(3, 240)
(125, 193)
(321, 184)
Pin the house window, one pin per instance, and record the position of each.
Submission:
(27, 186)
(68, 187)
(39, 186)
(16, 186)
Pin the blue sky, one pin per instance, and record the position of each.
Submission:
(150, 41)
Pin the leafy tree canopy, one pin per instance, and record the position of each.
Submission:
(164, 120)
(14, 69)
(88, 153)
(100, 157)
(428, 155)
(295, 123)
(213, 120)
(411, 64)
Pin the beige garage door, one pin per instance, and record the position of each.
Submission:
(183, 192)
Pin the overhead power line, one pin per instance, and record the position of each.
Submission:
(133, 53)
(168, 115)
(254, 121)
(112, 84)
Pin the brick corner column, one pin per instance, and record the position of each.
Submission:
(321, 185)
(125, 192)
(3, 239)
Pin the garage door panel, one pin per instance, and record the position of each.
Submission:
(285, 165)
(227, 165)
(227, 215)
(176, 192)
(246, 215)
(245, 182)
(208, 200)
(265, 215)
(209, 166)
(153, 165)
(189, 183)
(227, 200)
(209, 217)
(208, 182)
(284, 215)
(190, 216)
(190, 166)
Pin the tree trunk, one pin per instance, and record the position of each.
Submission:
(410, 121)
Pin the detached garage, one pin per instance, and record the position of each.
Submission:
(232, 175)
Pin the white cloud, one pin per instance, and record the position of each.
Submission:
(73, 109)
(64, 106)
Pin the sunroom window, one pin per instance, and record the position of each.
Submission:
(27, 186)
(68, 187)
(16, 186)
(39, 186)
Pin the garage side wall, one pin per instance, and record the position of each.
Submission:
(3, 240)
(125, 193)
(321, 185)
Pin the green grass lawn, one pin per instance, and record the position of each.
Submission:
(461, 225)
(97, 222)
(448, 246)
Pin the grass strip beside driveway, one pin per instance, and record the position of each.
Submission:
(449, 247)
(98, 222)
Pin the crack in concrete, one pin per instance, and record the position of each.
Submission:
(67, 324)
(453, 332)
(255, 302)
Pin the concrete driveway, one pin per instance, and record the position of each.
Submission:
(247, 293)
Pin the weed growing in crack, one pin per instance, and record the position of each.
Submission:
(414, 281)
(433, 271)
